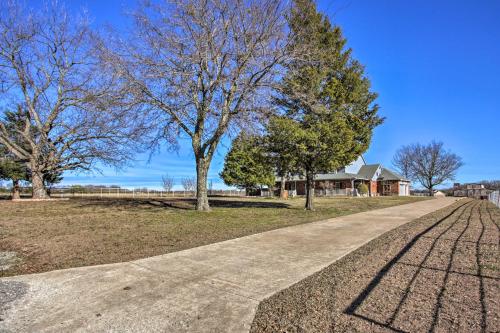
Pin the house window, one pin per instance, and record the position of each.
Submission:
(386, 188)
(336, 185)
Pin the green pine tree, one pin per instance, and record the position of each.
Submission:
(12, 168)
(328, 108)
(246, 164)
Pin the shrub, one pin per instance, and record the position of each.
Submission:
(362, 189)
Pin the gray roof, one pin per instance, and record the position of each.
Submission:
(326, 176)
(387, 174)
(368, 171)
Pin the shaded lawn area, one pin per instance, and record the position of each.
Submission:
(81, 232)
(439, 273)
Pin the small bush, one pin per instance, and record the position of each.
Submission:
(362, 189)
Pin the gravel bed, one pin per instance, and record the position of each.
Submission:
(439, 273)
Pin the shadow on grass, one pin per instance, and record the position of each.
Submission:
(8, 196)
(388, 320)
(177, 203)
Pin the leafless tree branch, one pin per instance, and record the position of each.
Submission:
(50, 71)
(202, 67)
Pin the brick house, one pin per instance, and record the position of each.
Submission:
(379, 180)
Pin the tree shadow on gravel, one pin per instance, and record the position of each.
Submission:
(410, 293)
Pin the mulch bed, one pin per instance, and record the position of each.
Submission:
(439, 273)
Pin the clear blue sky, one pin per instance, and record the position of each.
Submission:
(435, 65)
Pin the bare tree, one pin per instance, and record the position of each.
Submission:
(430, 164)
(210, 187)
(49, 72)
(203, 65)
(491, 184)
(167, 182)
(402, 161)
(188, 183)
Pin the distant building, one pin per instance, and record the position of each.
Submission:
(379, 180)
(470, 190)
(439, 194)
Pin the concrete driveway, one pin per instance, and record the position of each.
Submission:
(212, 288)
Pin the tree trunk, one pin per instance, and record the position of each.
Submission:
(39, 190)
(201, 185)
(16, 193)
(309, 191)
(282, 187)
(430, 191)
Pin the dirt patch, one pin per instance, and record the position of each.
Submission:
(439, 273)
(82, 232)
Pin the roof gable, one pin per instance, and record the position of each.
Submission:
(388, 174)
(370, 172)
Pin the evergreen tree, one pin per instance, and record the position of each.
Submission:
(50, 178)
(12, 169)
(246, 164)
(281, 154)
(328, 109)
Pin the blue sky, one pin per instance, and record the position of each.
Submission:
(435, 65)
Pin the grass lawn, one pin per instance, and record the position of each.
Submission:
(80, 232)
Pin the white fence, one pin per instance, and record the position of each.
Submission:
(495, 198)
(133, 193)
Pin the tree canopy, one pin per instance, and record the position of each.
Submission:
(246, 164)
(65, 99)
(12, 169)
(203, 67)
(328, 110)
(11, 166)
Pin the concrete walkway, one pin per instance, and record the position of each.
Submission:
(213, 288)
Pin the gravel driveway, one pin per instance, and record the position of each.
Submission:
(439, 273)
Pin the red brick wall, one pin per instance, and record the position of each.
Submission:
(393, 187)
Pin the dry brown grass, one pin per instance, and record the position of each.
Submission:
(80, 232)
